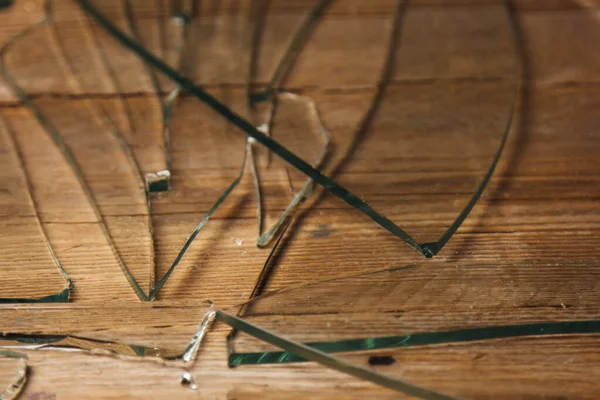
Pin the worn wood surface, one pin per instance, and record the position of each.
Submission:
(527, 253)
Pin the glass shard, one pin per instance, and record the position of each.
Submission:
(188, 379)
(295, 121)
(421, 339)
(289, 55)
(27, 276)
(72, 343)
(168, 32)
(92, 334)
(327, 360)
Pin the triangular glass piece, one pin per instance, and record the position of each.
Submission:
(31, 270)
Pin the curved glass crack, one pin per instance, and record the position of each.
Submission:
(70, 343)
(426, 249)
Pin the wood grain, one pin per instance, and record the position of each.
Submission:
(527, 253)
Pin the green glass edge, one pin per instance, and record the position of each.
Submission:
(62, 297)
(421, 339)
(42, 339)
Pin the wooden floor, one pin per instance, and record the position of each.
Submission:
(527, 253)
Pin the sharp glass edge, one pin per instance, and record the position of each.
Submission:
(428, 249)
(83, 344)
(100, 347)
(306, 190)
(297, 352)
(152, 182)
(247, 127)
(110, 348)
(61, 297)
(182, 16)
(422, 339)
(270, 95)
(407, 340)
(284, 221)
(58, 140)
(191, 351)
(292, 50)
(198, 228)
(434, 247)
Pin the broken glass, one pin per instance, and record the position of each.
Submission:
(32, 274)
(115, 124)
(493, 142)
(106, 347)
